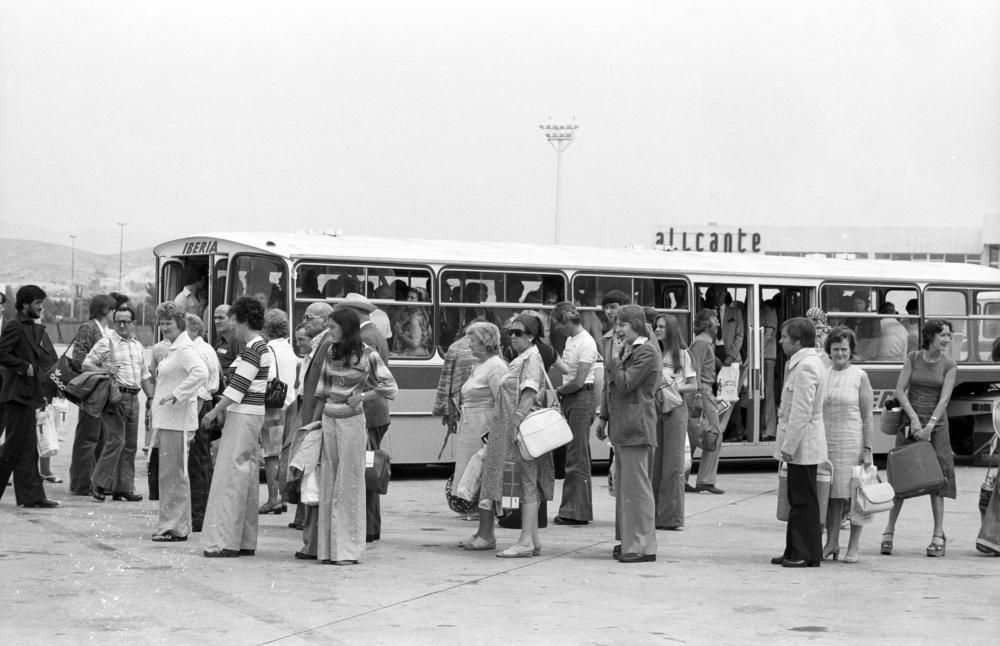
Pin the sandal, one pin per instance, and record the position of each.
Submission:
(937, 549)
(886, 546)
(479, 544)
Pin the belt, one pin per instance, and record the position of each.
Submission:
(129, 391)
(585, 387)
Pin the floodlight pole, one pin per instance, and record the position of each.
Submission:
(559, 137)
(72, 278)
(121, 254)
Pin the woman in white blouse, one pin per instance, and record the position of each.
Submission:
(179, 376)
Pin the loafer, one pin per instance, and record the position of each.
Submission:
(616, 552)
(305, 557)
(710, 489)
(128, 496)
(777, 560)
(52, 479)
(98, 494)
(559, 520)
(633, 557)
(298, 526)
(798, 563)
(44, 503)
(247, 552)
(221, 554)
(168, 538)
(689, 489)
(371, 538)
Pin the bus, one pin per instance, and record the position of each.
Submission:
(453, 282)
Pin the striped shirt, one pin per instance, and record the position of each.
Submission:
(122, 357)
(248, 379)
(339, 380)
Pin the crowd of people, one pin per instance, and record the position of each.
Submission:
(216, 412)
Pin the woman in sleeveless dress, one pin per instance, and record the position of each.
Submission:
(923, 390)
(847, 417)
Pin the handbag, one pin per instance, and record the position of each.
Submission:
(667, 396)
(62, 373)
(914, 470)
(274, 396)
(872, 496)
(891, 419)
(542, 431)
(378, 471)
(456, 503)
(708, 435)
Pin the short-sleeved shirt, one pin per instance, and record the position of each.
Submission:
(580, 348)
(248, 381)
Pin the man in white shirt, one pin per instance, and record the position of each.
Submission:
(121, 354)
(578, 361)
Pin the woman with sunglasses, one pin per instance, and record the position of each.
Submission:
(628, 418)
(519, 393)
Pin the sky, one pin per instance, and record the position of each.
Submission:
(421, 118)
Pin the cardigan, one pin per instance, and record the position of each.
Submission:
(181, 373)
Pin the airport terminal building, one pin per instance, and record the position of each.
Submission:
(974, 245)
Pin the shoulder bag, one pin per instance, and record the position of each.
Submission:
(667, 396)
(274, 396)
(543, 430)
(62, 373)
(708, 436)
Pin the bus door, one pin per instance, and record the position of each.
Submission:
(197, 274)
(773, 305)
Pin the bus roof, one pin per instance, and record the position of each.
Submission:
(504, 254)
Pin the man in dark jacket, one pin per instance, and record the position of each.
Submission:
(26, 354)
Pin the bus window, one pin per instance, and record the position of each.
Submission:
(876, 315)
(952, 306)
(506, 293)
(171, 280)
(988, 307)
(261, 277)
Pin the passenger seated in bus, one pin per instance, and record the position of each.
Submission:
(309, 285)
(515, 290)
(341, 286)
(866, 330)
(412, 330)
(912, 323)
(892, 343)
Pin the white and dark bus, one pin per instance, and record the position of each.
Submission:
(461, 280)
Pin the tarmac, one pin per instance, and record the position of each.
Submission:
(87, 573)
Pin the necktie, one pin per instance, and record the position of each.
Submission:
(718, 331)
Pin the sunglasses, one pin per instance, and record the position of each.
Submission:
(515, 332)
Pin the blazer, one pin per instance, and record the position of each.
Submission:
(310, 377)
(629, 404)
(800, 418)
(87, 335)
(22, 343)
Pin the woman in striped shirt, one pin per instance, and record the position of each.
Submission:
(230, 527)
(353, 373)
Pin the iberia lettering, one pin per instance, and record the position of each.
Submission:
(739, 242)
(199, 247)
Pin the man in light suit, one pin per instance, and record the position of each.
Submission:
(26, 354)
(317, 327)
(801, 442)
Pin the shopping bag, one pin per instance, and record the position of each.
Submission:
(48, 437)
(472, 477)
(309, 491)
(783, 506)
(824, 477)
(687, 454)
(729, 382)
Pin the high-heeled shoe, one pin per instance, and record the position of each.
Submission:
(886, 546)
(937, 549)
(828, 553)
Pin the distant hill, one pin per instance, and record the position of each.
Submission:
(48, 265)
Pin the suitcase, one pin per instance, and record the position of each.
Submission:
(914, 470)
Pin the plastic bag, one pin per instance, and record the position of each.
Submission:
(472, 477)
(48, 438)
(310, 488)
(729, 382)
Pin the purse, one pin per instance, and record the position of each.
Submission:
(873, 495)
(708, 436)
(891, 419)
(543, 430)
(914, 470)
(667, 396)
(378, 471)
(274, 396)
